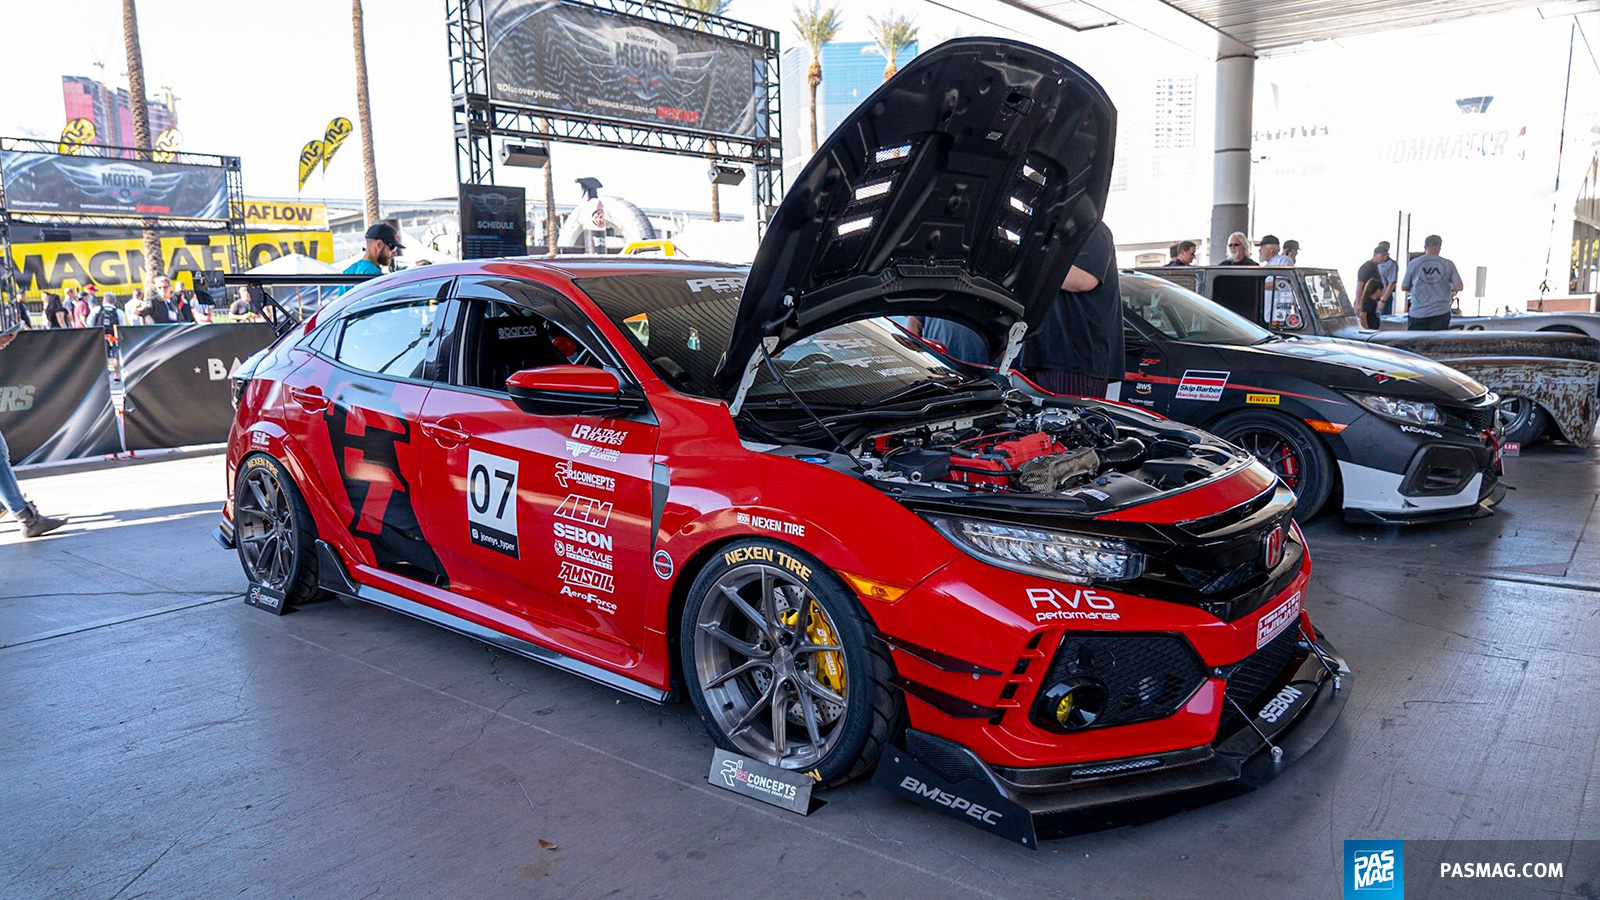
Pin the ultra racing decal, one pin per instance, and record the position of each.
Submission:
(364, 443)
(1273, 623)
(492, 502)
(585, 550)
(596, 443)
(1201, 384)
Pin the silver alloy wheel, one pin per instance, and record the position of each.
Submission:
(265, 522)
(1514, 413)
(761, 674)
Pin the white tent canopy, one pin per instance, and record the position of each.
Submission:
(293, 264)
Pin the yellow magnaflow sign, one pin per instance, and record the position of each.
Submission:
(77, 133)
(275, 215)
(333, 139)
(167, 144)
(310, 155)
(118, 265)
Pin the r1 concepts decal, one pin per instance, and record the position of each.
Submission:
(492, 501)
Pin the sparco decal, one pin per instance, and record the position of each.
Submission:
(1199, 384)
(956, 804)
(569, 475)
(1273, 623)
(1058, 604)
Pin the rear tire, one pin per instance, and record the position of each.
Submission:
(1291, 450)
(1522, 420)
(273, 530)
(747, 638)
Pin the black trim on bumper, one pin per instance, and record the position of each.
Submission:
(1245, 759)
(223, 535)
(1490, 497)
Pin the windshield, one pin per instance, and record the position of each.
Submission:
(1184, 315)
(1328, 299)
(679, 321)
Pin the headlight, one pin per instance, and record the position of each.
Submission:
(1400, 410)
(1037, 551)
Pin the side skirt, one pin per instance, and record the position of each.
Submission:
(333, 577)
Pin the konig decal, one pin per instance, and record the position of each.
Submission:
(492, 501)
(1200, 384)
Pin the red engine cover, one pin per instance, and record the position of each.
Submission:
(979, 462)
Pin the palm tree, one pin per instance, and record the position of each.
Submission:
(710, 8)
(364, 114)
(817, 26)
(890, 35)
(140, 107)
(550, 224)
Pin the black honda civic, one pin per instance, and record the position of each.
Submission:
(1399, 438)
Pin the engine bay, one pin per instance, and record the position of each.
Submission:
(1081, 453)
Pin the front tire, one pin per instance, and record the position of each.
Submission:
(784, 666)
(1291, 450)
(273, 530)
(1522, 420)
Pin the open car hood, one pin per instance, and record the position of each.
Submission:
(963, 188)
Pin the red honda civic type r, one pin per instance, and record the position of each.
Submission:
(750, 487)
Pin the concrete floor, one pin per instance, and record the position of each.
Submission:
(162, 739)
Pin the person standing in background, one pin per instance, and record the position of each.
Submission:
(55, 312)
(1267, 248)
(383, 245)
(11, 500)
(78, 304)
(19, 312)
(1238, 251)
(1078, 349)
(1389, 271)
(1371, 297)
(1182, 253)
(1430, 284)
(1291, 251)
(158, 302)
(182, 306)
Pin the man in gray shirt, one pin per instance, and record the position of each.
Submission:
(1389, 271)
(1430, 282)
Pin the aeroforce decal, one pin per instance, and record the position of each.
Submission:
(1273, 623)
(1079, 604)
(492, 501)
(569, 475)
(1200, 384)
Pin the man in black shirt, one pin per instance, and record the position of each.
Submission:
(1078, 348)
(1182, 254)
(1238, 251)
(1369, 287)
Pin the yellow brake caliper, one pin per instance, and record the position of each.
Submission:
(830, 671)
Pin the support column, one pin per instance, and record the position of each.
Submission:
(1230, 176)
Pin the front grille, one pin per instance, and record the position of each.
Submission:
(1476, 418)
(1214, 581)
(1257, 673)
(1145, 676)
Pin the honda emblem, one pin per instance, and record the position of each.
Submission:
(1272, 547)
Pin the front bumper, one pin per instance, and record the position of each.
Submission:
(1286, 722)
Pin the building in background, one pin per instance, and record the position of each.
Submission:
(850, 72)
(111, 111)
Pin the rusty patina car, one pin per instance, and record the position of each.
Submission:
(1549, 382)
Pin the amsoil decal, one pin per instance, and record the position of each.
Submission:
(492, 502)
(1061, 604)
(1200, 384)
(587, 584)
(1273, 623)
(569, 475)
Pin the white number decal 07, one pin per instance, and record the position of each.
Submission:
(491, 498)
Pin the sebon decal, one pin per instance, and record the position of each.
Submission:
(1200, 384)
(492, 501)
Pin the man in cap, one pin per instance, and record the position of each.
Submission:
(1291, 250)
(1389, 272)
(1267, 249)
(383, 245)
(1430, 284)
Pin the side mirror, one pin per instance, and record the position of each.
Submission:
(572, 390)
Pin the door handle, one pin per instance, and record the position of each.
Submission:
(310, 399)
(447, 432)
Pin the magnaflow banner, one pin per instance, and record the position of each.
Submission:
(55, 396)
(177, 381)
(573, 58)
(118, 263)
(90, 185)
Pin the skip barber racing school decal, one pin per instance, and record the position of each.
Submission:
(492, 501)
(1199, 384)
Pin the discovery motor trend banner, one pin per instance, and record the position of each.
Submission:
(55, 396)
(573, 58)
(92, 185)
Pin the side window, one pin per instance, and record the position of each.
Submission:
(501, 338)
(1189, 281)
(1282, 307)
(1241, 294)
(389, 340)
